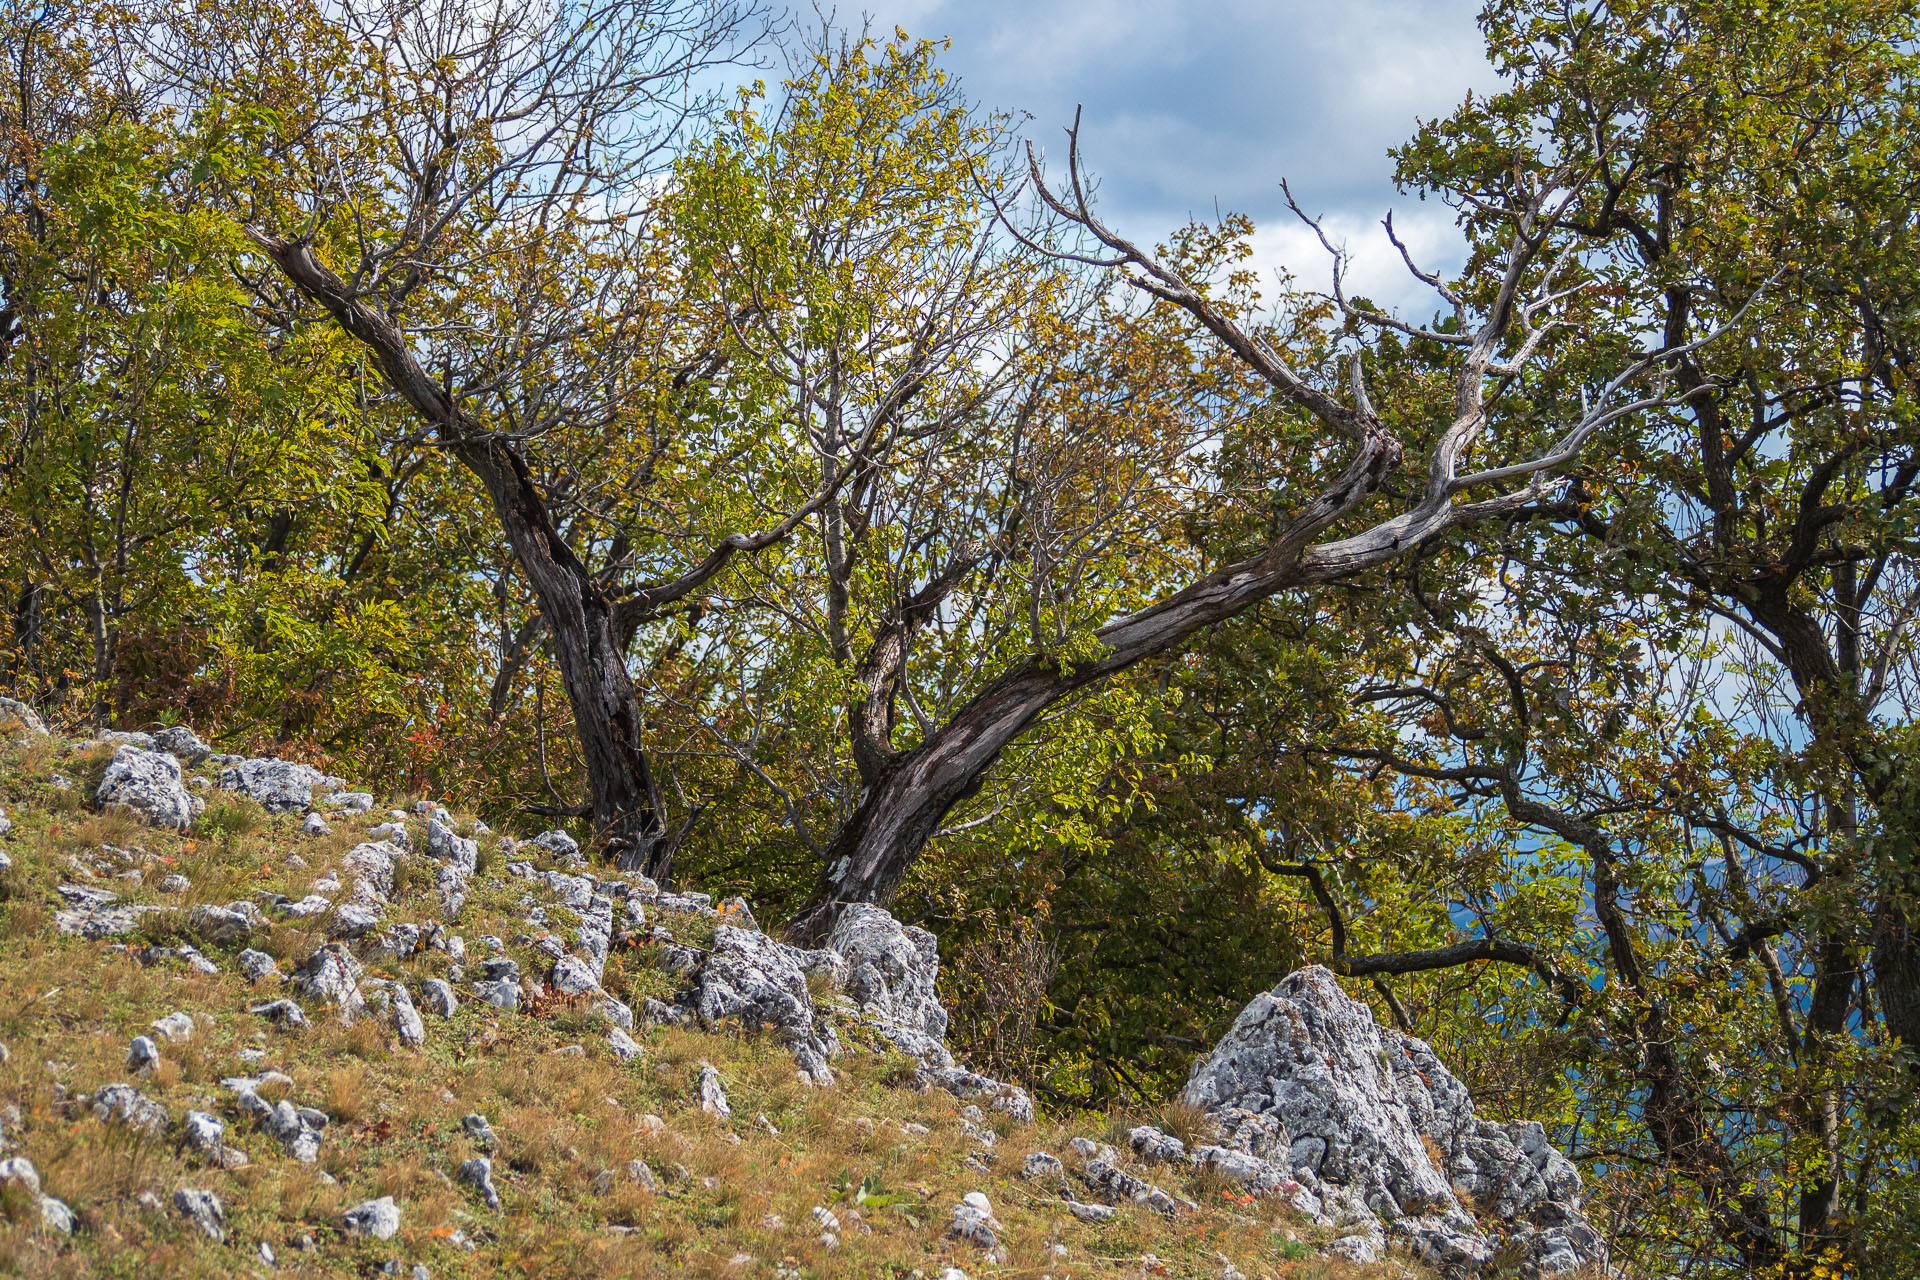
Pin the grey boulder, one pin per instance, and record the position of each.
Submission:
(182, 742)
(203, 1209)
(1382, 1132)
(147, 784)
(276, 785)
(377, 1218)
(754, 981)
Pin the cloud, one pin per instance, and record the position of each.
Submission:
(1187, 104)
(1374, 269)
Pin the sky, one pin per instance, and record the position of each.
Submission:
(1192, 102)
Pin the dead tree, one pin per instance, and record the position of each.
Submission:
(910, 792)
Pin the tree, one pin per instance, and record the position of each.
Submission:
(1678, 696)
(1341, 454)
(148, 415)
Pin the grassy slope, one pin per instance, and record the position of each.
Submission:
(68, 1009)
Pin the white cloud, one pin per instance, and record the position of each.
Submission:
(1374, 268)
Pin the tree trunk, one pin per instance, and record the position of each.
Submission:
(586, 642)
(910, 796)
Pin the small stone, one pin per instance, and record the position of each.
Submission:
(204, 1131)
(624, 1046)
(826, 1218)
(127, 1105)
(175, 1028)
(257, 966)
(315, 825)
(478, 1172)
(182, 742)
(175, 883)
(285, 1012)
(203, 1209)
(640, 1174)
(713, 1096)
(572, 977)
(1042, 1164)
(479, 1130)
(406, 1019)
(143, 1055)
(1092, 1212)
(377, 1218)
(437, 994)
(570, 1051)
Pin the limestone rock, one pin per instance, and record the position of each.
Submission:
(203, 1209)
(406, 1019)
(276, 785)
(479, 1173)
(377, 1218)
(756, 981)
(439, 997)
(128, 1106)
(973, 1221)
(182, 742)
(449, 847)
(258, 966)
(559, 844)
(13, 711)
(624, 1046)
(1362, 1106)
(893, 972)
(333, 975)
(225, 925)
(148, 784)
(1155, 1147)
(285, 1012)
(143, 1055)
(713, 1095)
(372, 865)
(479, 1130)
(54, 1214)
(175, 1028)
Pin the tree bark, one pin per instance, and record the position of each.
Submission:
(625, 798)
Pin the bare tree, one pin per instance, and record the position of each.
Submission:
(1502, 323)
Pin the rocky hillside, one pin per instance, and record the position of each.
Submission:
(260, 1022)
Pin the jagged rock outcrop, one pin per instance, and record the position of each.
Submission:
(147, 784)
(1387, 1139)
(756, 981)
(14, 711)
(892, 975)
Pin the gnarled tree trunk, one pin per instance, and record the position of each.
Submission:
(624, 797)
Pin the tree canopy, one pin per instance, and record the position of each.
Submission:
(805, 489)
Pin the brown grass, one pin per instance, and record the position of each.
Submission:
(68, 1009)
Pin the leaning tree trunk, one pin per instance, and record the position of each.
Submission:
(911, 795)
(625, 801)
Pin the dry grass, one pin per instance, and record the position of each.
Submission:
(569, 1127)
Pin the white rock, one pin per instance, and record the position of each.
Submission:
(377, 1218)
(175, 1028)
(713, 1095)
(143, 1055)
(147, 784)
(203, 1209)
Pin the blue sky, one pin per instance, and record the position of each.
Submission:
(1187, 104)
